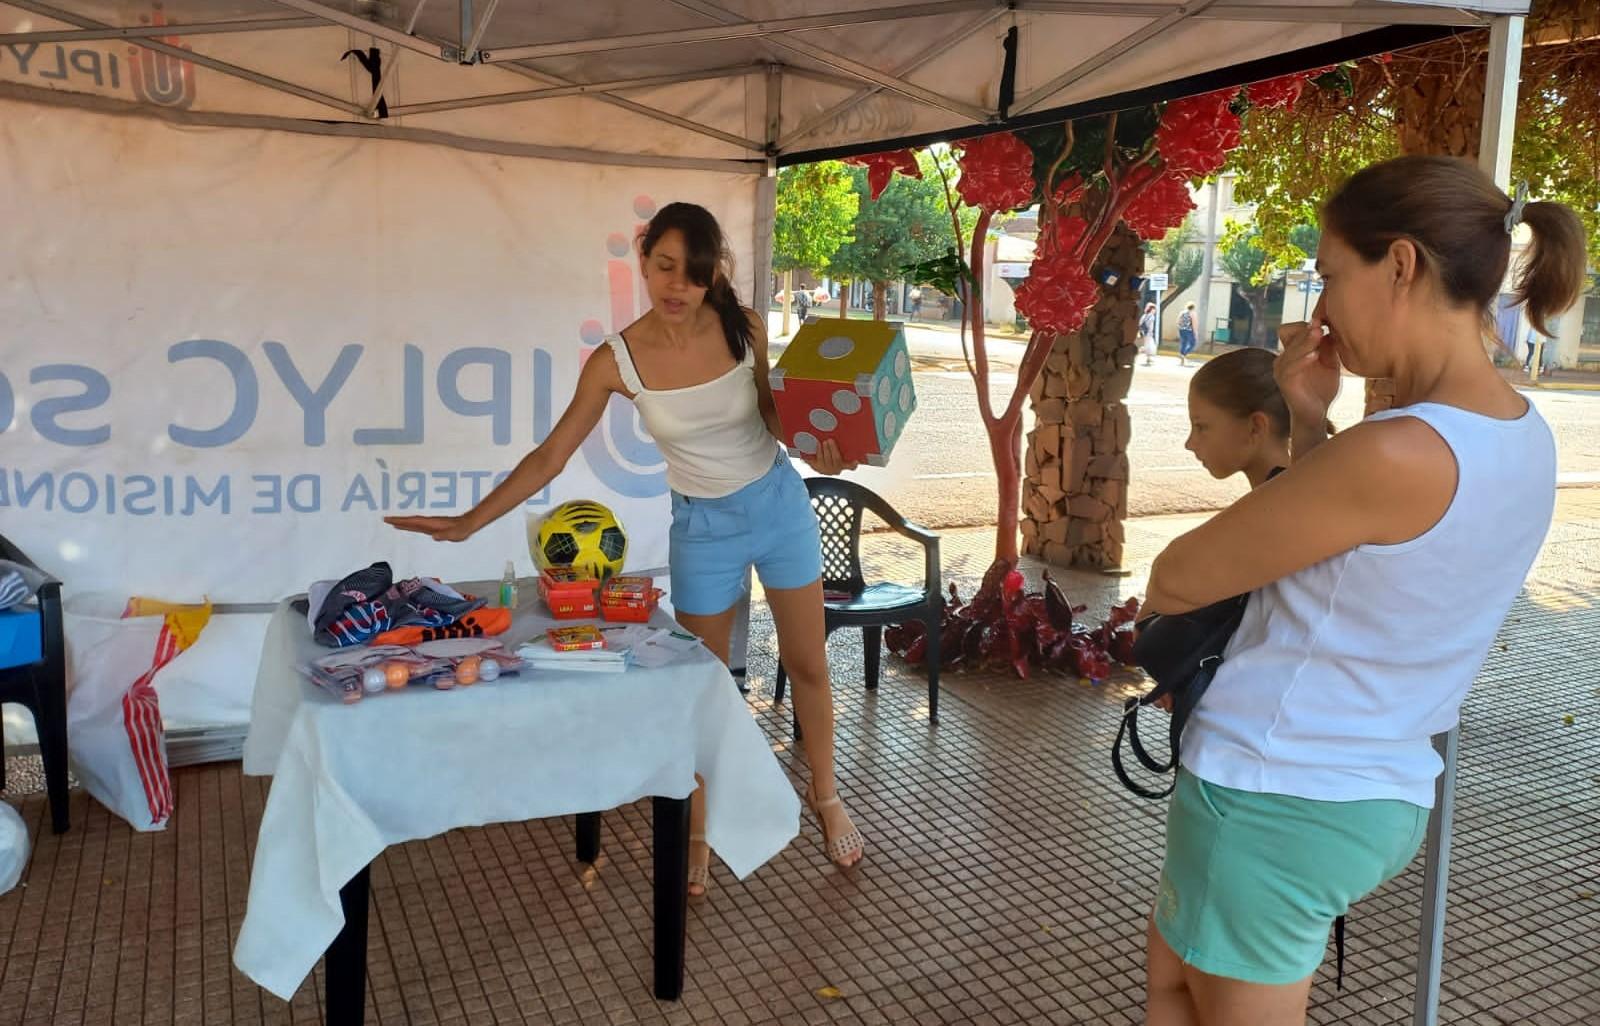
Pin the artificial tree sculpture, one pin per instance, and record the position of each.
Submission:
(1101, 183)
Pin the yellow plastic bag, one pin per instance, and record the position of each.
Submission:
(184, 620)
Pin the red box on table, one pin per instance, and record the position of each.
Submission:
(570, 594)
(629, 599)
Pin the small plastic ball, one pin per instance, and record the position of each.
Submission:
(490, 670)
(398, 675)
(374, 678)
(467, 670)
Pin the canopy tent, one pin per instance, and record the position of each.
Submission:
(691, 82)
(735, 85)
(192, 287)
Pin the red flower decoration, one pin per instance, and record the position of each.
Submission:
(1058, 293)
(1281, 93)
(882, 166)
(1071, 189)
(1060, 234)
(996, 172)
(1196, 133)
(1163, 204)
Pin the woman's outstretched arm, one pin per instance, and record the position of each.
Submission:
(596, 383)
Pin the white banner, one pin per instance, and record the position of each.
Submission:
(227, 354)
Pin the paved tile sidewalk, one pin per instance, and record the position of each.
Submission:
(1007, 881)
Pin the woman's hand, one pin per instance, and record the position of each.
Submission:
(828, 460)
(453, 529)
(1307, 370)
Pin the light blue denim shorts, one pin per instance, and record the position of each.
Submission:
(767, 524)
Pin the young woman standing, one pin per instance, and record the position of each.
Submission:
(695, 365)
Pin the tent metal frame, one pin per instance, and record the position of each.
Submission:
(777, 36)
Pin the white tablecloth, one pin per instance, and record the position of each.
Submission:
(351, 780)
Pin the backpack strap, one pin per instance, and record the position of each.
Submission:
(1338, 949)
(1183, 703)
(1130, 728)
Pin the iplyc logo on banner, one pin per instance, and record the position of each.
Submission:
(161, 78)
(619, 451)
(158, 78)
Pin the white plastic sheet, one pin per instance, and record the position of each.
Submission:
(13, 847)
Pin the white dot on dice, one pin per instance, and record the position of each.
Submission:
(823, 421)
(900, 362)
(885, 390)
(835, 347)
(806, 442)
(905, 398)
(889, 423)
(846, 402)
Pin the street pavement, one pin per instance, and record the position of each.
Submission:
(941, 473)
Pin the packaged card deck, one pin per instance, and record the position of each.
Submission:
(576, 639)
(629, 599)
(570, 593)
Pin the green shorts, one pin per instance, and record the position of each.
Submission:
(1252, 882)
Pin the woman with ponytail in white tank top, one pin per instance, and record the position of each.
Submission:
(1381, 565)
(695, 366)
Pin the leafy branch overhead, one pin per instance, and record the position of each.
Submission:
(1429, 99)
(949, 274)
(815, 214)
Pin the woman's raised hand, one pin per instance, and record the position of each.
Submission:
(452, 529)
(1307, 370)
(828, 460)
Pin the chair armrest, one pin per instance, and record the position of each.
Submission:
(933, 577)
(916, 532)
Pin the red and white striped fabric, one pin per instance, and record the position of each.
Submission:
(115, 742)
(141, 715)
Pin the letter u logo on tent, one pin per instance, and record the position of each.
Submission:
(160, 78)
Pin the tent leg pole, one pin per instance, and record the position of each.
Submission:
(1436, 883)
(1500, 99)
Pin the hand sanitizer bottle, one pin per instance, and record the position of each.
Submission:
(508, 586)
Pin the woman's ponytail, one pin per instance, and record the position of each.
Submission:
(735, 324)
(1551, 273)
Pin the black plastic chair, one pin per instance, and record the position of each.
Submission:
(42, 687)
(851, 601)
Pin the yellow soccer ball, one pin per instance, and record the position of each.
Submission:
(581, 534)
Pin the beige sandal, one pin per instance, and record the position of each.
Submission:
(838, 849)
(699, 875)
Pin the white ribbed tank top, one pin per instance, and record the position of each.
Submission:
(712, 434)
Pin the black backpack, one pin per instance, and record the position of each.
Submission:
(1181, 653)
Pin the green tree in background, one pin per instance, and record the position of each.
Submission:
(1178, 256)
(1245, 259)
(815, 215)
(908, 224)
(1242, 257)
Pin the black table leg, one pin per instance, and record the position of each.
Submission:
(588, 831)
(345, 971)
(671, 893)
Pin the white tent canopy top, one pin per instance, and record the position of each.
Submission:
(724, 85)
